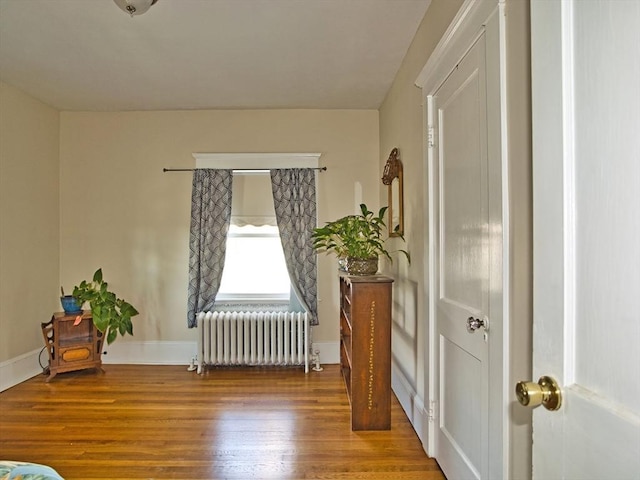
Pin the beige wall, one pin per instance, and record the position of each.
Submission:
(29, 220)
(401, 126)
(119, 211)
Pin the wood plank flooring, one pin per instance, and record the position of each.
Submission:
(162, 422)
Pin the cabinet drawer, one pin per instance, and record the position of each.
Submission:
(76, 354)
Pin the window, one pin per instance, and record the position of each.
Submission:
(250, 281)
(254, 269)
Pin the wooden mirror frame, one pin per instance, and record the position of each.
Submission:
(392, 176)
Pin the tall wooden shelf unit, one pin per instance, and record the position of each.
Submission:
(72, 344)
(365, 349)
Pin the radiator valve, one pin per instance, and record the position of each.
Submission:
(315, 358)
(192, 365)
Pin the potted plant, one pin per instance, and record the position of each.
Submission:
(111, 315)
(357, 241)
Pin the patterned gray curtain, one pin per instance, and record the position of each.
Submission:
(210, 217)
(294, 198)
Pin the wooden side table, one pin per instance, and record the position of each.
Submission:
(72, 343)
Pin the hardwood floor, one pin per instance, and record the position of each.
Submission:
(163, 422)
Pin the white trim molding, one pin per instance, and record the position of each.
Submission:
(26, 366)
(18, 369)
(149, 353)
(181, 353)
(411, 403)
(465, 28)
(124, 352)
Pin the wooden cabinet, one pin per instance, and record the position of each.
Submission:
(365, 349)
(73, 343)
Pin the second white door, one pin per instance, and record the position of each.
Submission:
(462, 266)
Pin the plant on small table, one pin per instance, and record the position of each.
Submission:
(111, 315)
(356, 240)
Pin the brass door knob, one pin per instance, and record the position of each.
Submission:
(546, 393)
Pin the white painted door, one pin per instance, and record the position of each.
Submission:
(586, 166)
(461, 208)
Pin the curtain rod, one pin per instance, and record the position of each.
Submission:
(233, 169)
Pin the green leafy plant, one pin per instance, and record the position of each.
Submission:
(355, 236)
(111, 315)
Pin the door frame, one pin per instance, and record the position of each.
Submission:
(506, 434)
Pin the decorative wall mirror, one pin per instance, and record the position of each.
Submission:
(392, 177)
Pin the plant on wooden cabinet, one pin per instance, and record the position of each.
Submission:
(356, 238)
(111, 315)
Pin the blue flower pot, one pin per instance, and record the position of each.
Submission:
(70, 304)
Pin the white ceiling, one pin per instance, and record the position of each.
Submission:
(201, 54)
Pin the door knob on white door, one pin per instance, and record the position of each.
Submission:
(474, 324)
(546, 393)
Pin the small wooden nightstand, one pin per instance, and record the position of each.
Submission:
(72, 345)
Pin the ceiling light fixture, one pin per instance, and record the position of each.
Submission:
(135, 7)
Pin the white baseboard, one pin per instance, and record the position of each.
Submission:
(412, 404)
(26, 366)
(21, 368)
(181, 353)
(150, 353)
